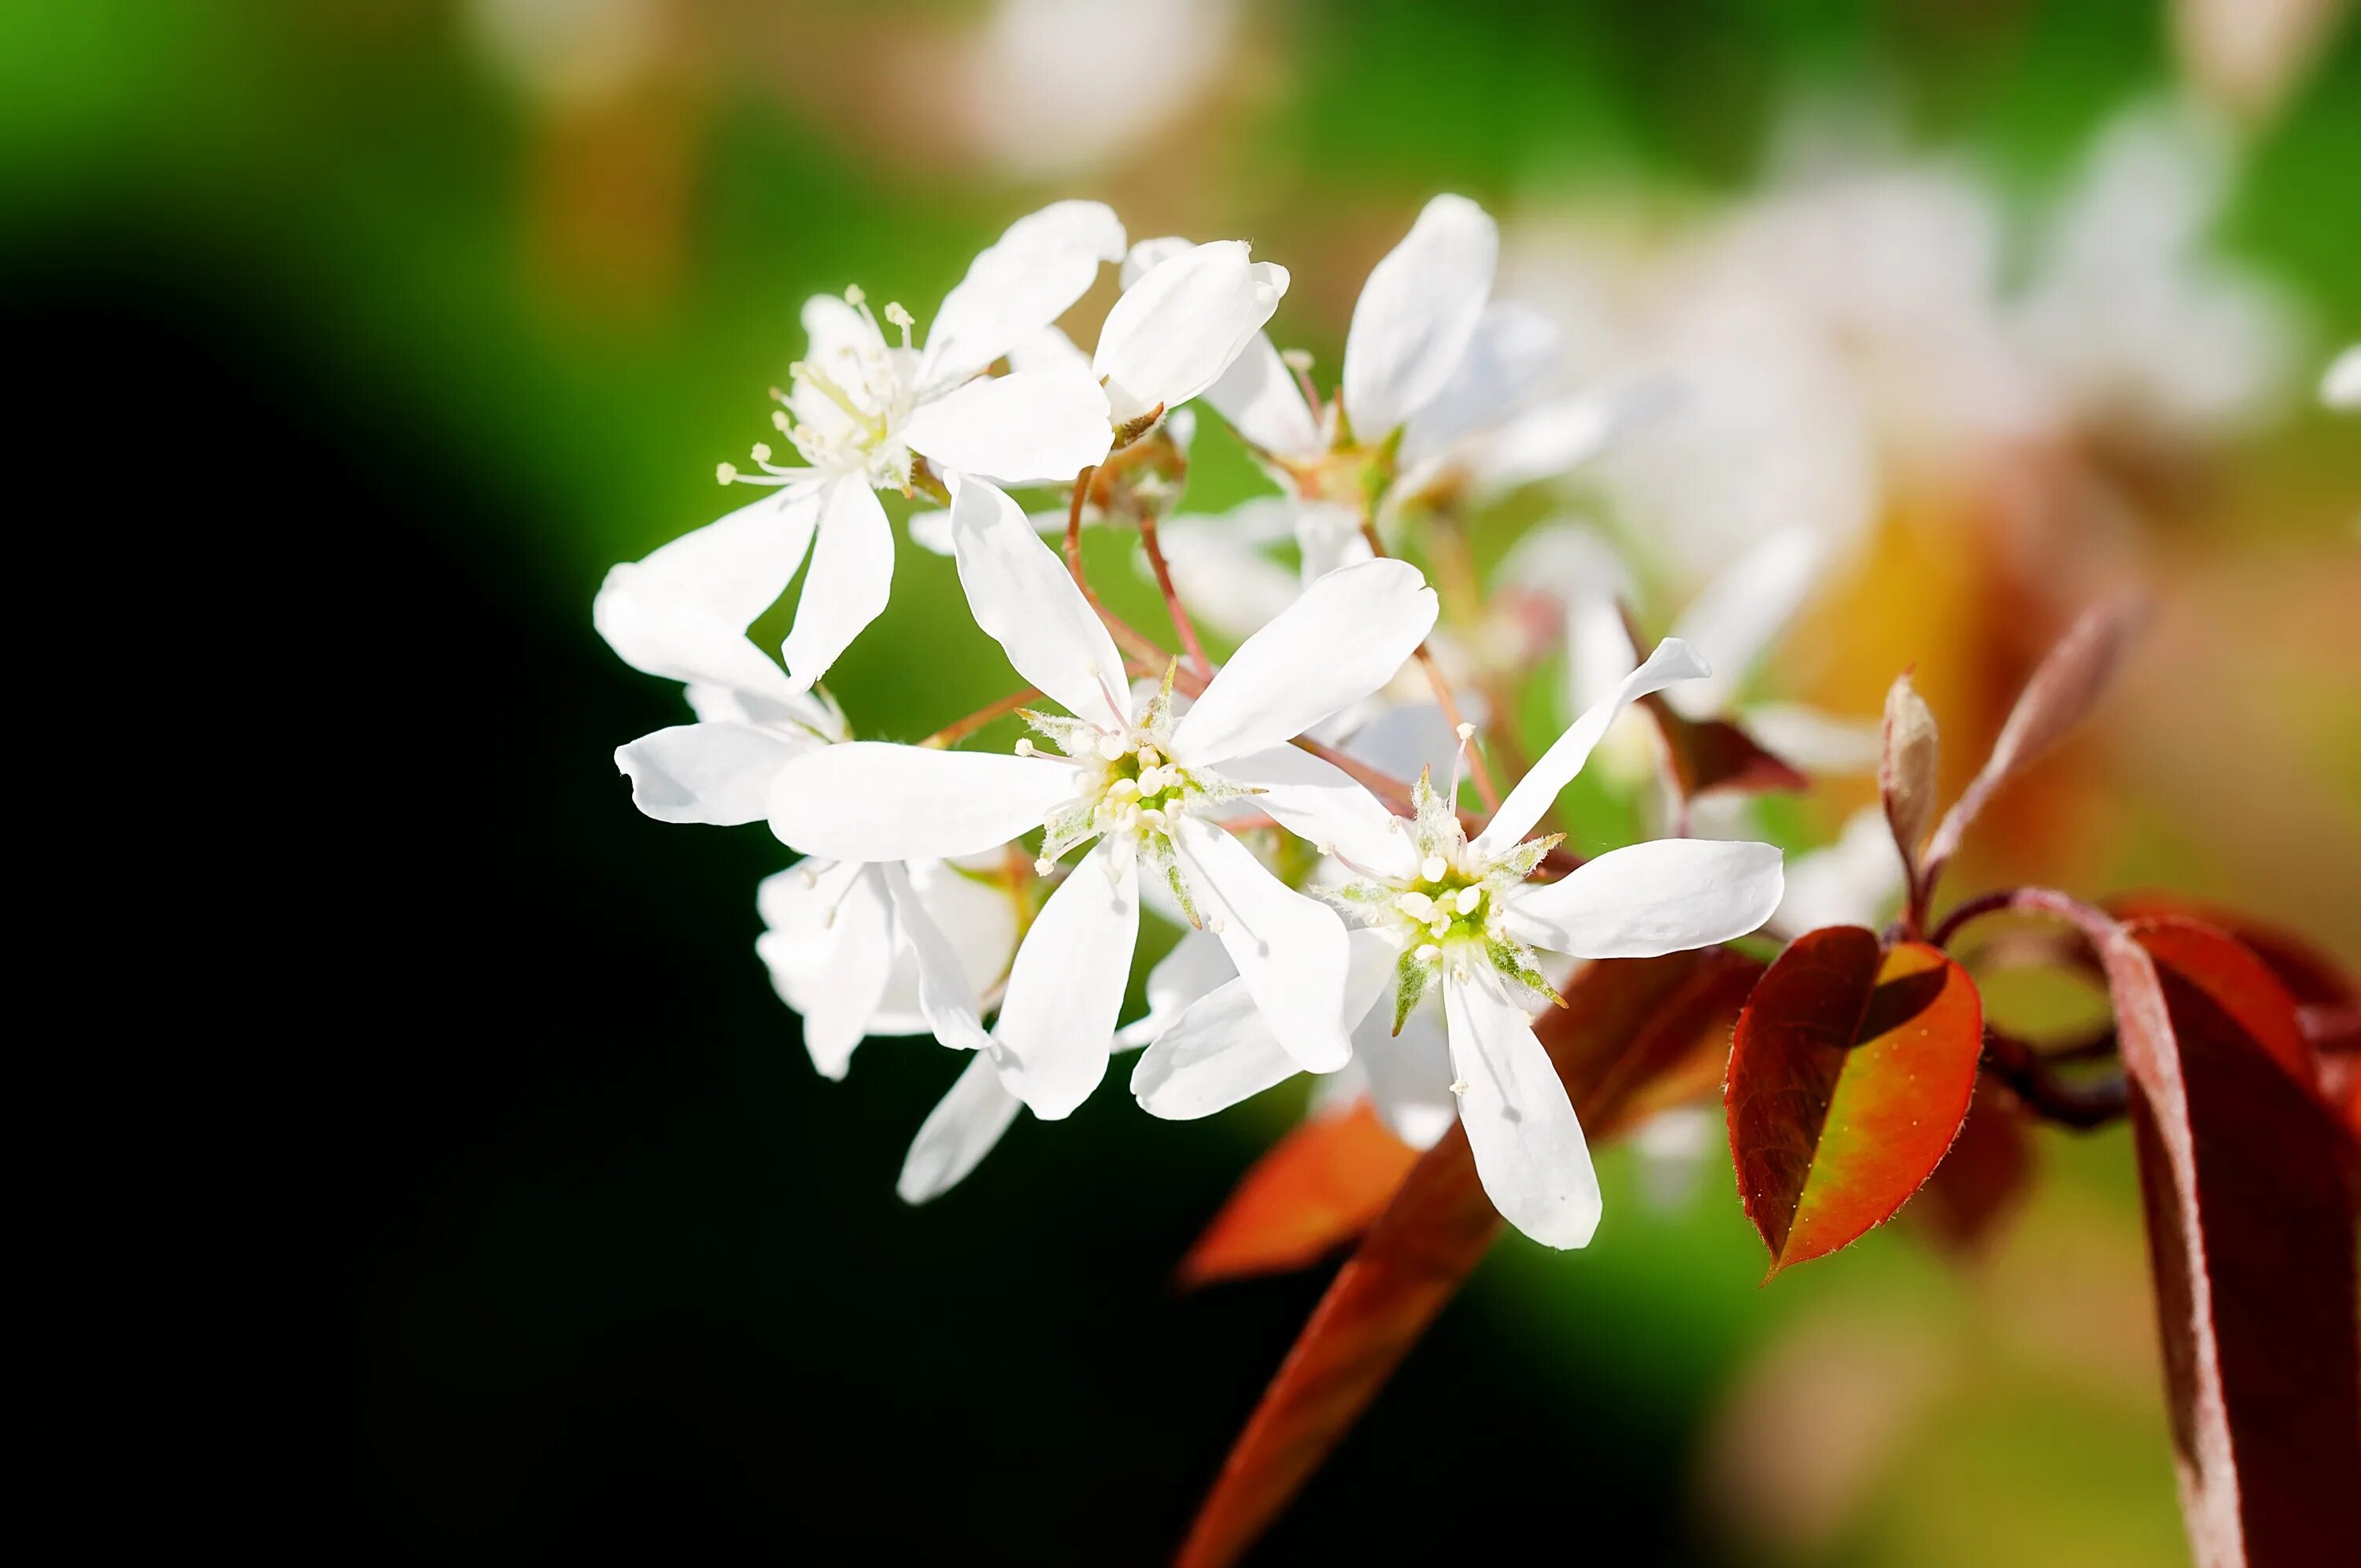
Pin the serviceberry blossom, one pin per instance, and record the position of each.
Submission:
(865, 414)
(1133, 781)
(1444, 913)
(1731, 621)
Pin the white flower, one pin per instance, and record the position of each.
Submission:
(900, 948)
(1137, 782)
(1731, 622)
(1444, 912)
(2340, 388)
(859, 409)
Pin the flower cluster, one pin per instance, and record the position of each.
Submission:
(1341, 914)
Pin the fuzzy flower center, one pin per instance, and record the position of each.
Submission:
(845, 406)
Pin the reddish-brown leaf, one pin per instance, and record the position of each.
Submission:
(1713, 753)
(1984, 1178)
(2060, 693)
(1850, 1073)
(2327, 998)
(2250, 1225)
(1316, 1189)
(1438, 1227)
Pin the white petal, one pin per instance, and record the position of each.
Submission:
(1026, 600)
(1221, 1048)
(719, 774)
(1529, 1151)
(930, 531)
(958, 1132)
(682, 613)
(1666, 897)
(829, 947)
(1343, 639)
(1853, 882)
(1041, 426)
(1197, 965)
(1175, 331)
(870, 801)
(946, 998)
(1509, 358)
(1057, 1022)
(740, 564)
(1043, 263)
(1047, 349)
(1416, 315)
(851, 578)
(1404, 740)
(1319, 802)
(1330, 538)
(1290, 950)
(1219, 1051)
(1146, 255)
(1409, 1073)
(1263, 402)
(1226, 583)
(2340, 388)
(1673, 661)
(1735, 616)
(1815, 741)
(1543, 441)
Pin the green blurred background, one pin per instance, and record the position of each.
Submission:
(545, 1236)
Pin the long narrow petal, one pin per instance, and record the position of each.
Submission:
(1319, 802)
(1039, 426)
(717, 774)
(1057, 1022)
(1409, 1073)
(946, 998)
(1024, 598)
(829, 947)
(1221, 1048)
(1290, 950)
(1508, 360)
(867, 800)
(1736, 614)
(1416, 315)
(682, 613)
(1529, 1147)
(1196, 967)
(1643, 900)
(1024, 281)
(1259, 397)
(1674, 660)
(1219, 1051)
(851, 578)
(1343, 639)
(958, 1132)
(1175, 330)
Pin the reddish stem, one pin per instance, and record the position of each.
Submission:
(959, 729)
(1443, 697)
(1173, 607)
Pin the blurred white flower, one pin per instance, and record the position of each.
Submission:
(2340, 386)
(1138, 782)
(1055, 87)
(1441, 912)
(568, 51)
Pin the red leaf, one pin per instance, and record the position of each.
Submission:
(1850, 1073)
(1317, 1187)
(2250, 1225)
(1982, 1178)
(1438, 1228)
(2060, 693)
(2328, 1000)
(1713, 753)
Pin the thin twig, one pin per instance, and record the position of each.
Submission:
(1173, 606)
(959, 729)
(2053, 1099)
(1478, 769)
